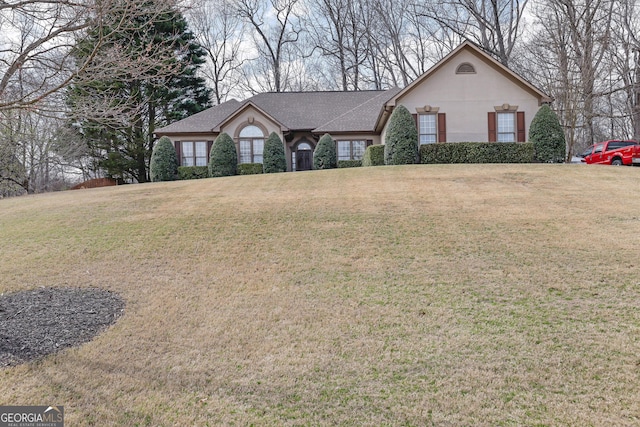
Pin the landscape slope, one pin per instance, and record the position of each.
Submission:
(415, 295)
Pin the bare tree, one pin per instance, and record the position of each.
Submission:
(34, 141)
(492, 24)
(219, 30)
(39, 59)
(627, 44)
(38, 40)
(276, 32)
(589, 27)
(428, 42)
(336, 29)
(392, 32)
(571, 58)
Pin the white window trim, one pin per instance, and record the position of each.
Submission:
(434, 115)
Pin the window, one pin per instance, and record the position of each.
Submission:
(507, 124)
(465, 68)
(619, 144)
(351, 150)
(506, 127)
(251, 144)
(427, 128)
(194, 153)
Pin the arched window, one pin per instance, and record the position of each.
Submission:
(251, 144)
(465, 68)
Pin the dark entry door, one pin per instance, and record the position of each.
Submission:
(304, 160)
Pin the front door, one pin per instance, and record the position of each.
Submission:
(303, 157)
(304, 160)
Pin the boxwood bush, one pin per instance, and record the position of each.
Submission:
(193, 172)
(373, 156)
(250, 168)
(349, 163)
(477, 152)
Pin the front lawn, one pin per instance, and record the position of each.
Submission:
(441, 295)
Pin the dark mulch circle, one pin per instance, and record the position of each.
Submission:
(42, 321)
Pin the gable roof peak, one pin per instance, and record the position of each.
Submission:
(483, 54)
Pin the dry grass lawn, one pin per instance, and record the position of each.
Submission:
(498, 295)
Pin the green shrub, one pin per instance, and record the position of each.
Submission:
(349, 163)
(164, 161)
(193, 172)
(477, 152)
(444, 153)
(324, 156)
(274, 158)
(401, 141)
(223, 159)
(373, 156)
(547, 136)
(249, 168)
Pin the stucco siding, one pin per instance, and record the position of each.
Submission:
(250, 116)
(466, 99)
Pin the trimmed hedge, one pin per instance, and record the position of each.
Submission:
(373, 156)
(547, 135)
(349, 163)
(324, 156)
(401, 142)
(193, 172)
(164, 161)
(249, 168)
(274, 158)
(477, 152)
(223, 159)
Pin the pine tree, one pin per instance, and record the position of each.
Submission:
(324, 156)
(142, 97)
(547, 136)
(274, 159)
(401, 142)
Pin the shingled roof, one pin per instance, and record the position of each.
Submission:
(308, 111)
(203, 121)
(361, 118)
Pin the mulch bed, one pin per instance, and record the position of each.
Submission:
(42, 321)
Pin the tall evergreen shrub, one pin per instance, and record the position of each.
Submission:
(401, 141)
(547, 136)
(274, 159)
(164, 161)
(324, 156)
(223, 159)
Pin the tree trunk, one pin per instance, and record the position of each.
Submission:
(636, 97)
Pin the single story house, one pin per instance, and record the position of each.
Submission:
(466, 97)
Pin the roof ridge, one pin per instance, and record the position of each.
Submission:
(360, 105)
(318, 91)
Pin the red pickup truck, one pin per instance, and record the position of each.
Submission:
(615, 152)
